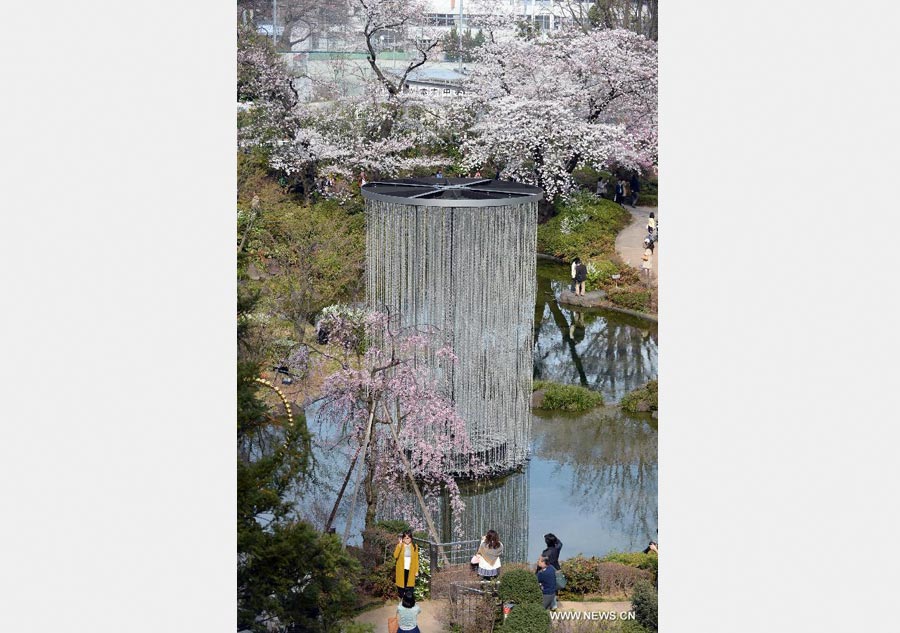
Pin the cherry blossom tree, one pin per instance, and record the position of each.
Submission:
(382, 129)
(543, 107)
(392, 416)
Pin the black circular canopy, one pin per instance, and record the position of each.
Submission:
(451, 192)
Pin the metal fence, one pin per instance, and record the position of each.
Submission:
(473, 608)
(441, 555)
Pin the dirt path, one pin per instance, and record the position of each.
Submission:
(430, 619)
(630, 241)
(433, 620)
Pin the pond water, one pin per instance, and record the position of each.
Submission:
(592, 478)
(602, 350)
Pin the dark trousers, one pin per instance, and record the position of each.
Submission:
(404, 590)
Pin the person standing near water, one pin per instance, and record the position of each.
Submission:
(575, 263)
(546, 576)
(489, 555)
(406, 555)
(551, 554)
(580, 278)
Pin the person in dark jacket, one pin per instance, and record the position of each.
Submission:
(635, 189)
(554, 545)
(546, 576)
(581, 274)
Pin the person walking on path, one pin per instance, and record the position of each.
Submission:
(580, 277)
(546, 576)
(406, 557)
(551, 554)
(651, 226)
(635, 189)
(619, 192)
(601, 188)
(647, 264)
(488, 554)
(408, 614)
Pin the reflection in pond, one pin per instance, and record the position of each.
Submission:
(603, 350)
(595, 475)
(591, 479)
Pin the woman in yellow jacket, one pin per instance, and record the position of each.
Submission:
(406, 555)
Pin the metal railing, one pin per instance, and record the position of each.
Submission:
(442, 555)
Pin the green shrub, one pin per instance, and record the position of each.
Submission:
(520, 586)
(647, 196)
(527, 618)
(641, 400)
(591, 575)
(638, 560)
(357, 627)
(632, 626)
(569, 398)
(540, 384)
(632, 299)
(422, 590)
(600, 272)
(644, 604)
(585, 226)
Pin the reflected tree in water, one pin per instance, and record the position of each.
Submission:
(613, 458)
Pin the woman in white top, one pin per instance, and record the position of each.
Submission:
(406, 555)
(489, 555)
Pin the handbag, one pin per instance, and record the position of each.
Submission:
(476, 559)
(560, 579)
(393, 624)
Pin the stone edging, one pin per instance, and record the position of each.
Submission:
(606, 305)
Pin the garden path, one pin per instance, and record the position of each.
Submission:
(630, 240)
(431, 618)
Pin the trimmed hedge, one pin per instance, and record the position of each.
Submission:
(527, 618)
(641, 400)
(559, 397)
(638, 560)
(593, 576)
(520, 586)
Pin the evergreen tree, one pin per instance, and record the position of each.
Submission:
(289, 574)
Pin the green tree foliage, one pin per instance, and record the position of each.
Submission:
(644, 604)
(520, 586)
(305, 256)
(288, 573)
(470, 42)
(527, 618)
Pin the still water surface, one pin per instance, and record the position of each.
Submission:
(592, 478)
